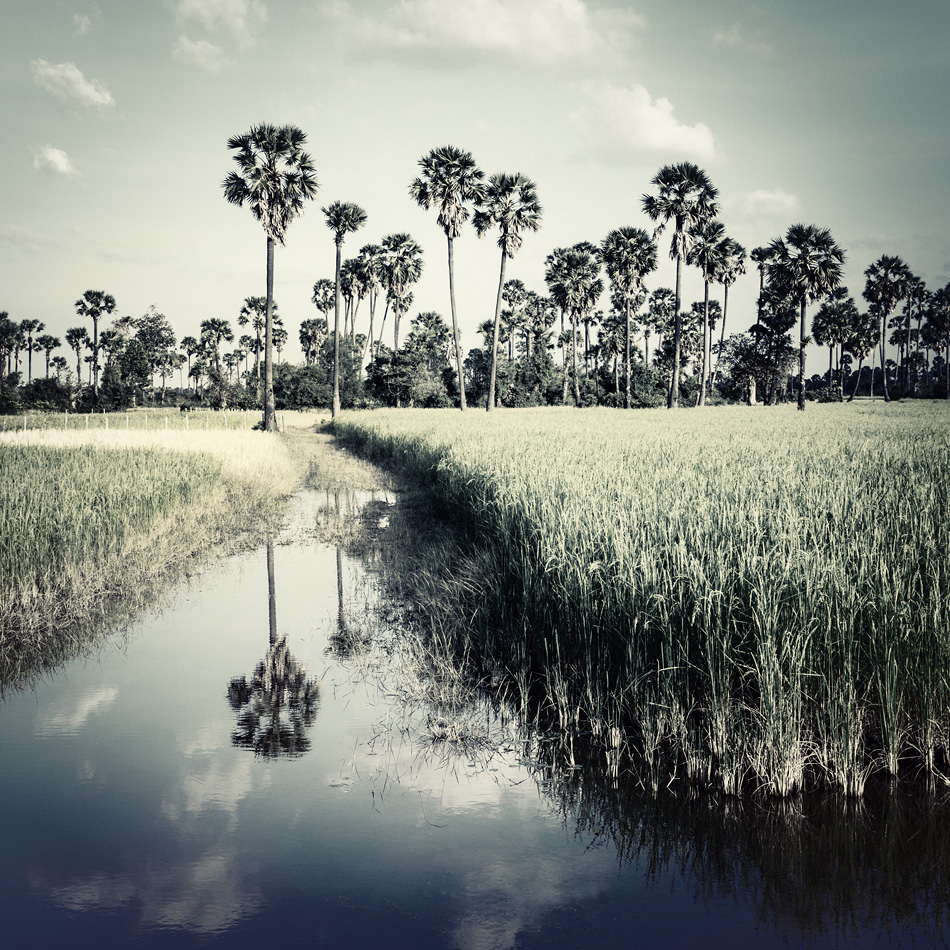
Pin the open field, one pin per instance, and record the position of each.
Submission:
(745, 598)
(98, 520)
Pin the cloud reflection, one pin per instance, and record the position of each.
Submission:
(71, 713)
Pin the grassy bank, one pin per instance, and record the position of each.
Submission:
(94, 522)
(743, 598)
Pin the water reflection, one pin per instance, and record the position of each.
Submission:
(279, 704)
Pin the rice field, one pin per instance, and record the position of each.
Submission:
(738, 598)
(92, 518)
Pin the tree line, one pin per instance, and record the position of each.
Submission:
(593, 326)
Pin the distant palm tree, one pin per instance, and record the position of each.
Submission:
(628, 254)
(806, 266)
(312, 334)
(371, 259)
(510, 203)
(214, 332)
(47, 344)
(93, 304)
(29, 327)
(732, 267)
(401, 268)
(77, 338)
(708, 253)
(889, 280)
(254, 312)
(343, 217)
(687, 197)
(450, 179)
(860, 339)
(276, 176)
(832, 326)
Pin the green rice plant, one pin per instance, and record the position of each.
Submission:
(771, 591)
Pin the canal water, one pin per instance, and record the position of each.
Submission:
(249, 765)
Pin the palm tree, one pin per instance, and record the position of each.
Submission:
(708, 252)
(343, 217)
(450, 179)
(371, 257)
(687, 197)
(628, 255)
(732, 267)
(47, 343)
(860, 339)
(509, 202)
(76, 339)
(214, 332)
(806, 265)
(888, 280)
(29, 327)
(831, 327)
(312, 334)
(401, 268)
(93, 304)
(276, 176)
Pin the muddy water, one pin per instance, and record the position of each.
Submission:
(247, 767)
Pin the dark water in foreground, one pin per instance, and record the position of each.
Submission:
(133, 814)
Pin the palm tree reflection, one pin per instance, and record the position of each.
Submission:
(277, 706)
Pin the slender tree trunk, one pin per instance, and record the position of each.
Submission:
(335, 408)
(857, 381)
(706, 348)
(801, 359)
(722, 338)
(673, 399)
(626, 355)
(455, 326)
(575, 387)
(884, 316)
(382, 326)
(369, 333)
(494, 345)
(270, 411)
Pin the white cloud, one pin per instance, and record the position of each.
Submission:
(241, 18)
(618, 123)
(66, 82)
(70, 715)
(54, 161)
(531, 31)
(735, 38)
(81, 24)
(770, 203)
(202, 53)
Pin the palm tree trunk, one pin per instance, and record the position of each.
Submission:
(575, 387)
(335, 408)
(626, 355)
(722, 337)
(382, 326)
(857, 381)
(494, 345)
(455, 326)
(270, 411)
(673, 399)
(706, 348)
(884, 315)
(801, 360)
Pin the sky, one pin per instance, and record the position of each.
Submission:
(116, 117)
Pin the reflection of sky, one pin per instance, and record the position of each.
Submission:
(124, 798)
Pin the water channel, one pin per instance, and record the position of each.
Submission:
(152, 797)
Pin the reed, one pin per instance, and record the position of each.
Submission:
(768, 594)
(95, 522)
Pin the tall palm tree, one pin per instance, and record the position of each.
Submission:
(889, 280)
(628, 255)
(685, 196)
(832, 327)
(861, 338)
(371, 259)
(450, 180)
(343, 217)
(806, 266)
(93, 304)
(275, 177)
(510, 203)
(76, 339)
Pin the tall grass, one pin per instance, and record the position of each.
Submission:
(96, 520)
(760, 598)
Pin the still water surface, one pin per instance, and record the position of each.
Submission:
(134, 815)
